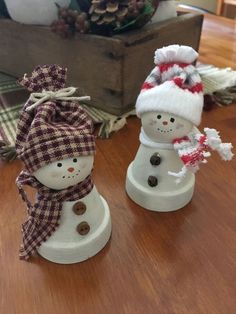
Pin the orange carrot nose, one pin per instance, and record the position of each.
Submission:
(164, 122)
(70, 169)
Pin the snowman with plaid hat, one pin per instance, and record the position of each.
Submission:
(69, 221)
(162, 175)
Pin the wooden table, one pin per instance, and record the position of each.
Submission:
(164, 263)
(221, 4)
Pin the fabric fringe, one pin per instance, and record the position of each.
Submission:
(219, 85)
(7, 152)
(225, 96)
(215, 79)
(116, 123)
(215, 143)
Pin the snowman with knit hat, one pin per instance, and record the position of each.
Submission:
(69, 220)
(162, 175)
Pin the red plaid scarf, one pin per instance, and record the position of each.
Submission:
(44, 215)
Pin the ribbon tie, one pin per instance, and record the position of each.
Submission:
(61, 94)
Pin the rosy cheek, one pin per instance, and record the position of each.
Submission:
(55, 174)
(152, 122)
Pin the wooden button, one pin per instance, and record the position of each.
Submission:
(152, 181)
(155, 159)
(79, 208)
(83, 228)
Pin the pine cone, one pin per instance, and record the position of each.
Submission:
(104, 17)
(116, 13)
(111, 12)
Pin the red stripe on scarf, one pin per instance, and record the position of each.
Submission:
(202, 139)
(181, 139)
(194, 157)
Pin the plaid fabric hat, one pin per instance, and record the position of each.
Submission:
(54, 130)
(45, 77)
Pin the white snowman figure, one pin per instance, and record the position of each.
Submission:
(85, 224)
(161, 177)
(35, 12)
(69, 221)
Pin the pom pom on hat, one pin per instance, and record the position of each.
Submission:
(174, 86)
(175, 53)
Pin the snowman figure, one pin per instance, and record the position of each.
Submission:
(69, 221)
(161, 177)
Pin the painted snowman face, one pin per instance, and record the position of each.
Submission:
(61, 174)
(164, 127)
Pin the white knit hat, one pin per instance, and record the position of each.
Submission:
(174, 85)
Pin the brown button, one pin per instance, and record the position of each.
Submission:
(152, 181)
(155, 160)
(79, 208)
(83, 228)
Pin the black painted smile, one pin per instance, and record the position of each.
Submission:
(164, 131)
(71, 176)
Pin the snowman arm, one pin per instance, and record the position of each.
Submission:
(182, 173)
(179, 175)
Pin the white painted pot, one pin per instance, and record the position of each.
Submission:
(167, 195)
(36, 12)
(159, 129)
(69, 243)
(165, 11)
(66, 246)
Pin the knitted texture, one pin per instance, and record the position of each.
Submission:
(54, 130)
(44, 215)
(191, 154)
(174, 85)
(175, 53)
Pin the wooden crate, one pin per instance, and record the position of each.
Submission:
(110, 70)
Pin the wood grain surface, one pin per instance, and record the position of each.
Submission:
(166, 263)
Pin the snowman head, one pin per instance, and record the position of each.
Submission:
(171, 98)
(64, 173)
(164, 127)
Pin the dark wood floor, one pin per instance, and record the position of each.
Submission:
(174, 263)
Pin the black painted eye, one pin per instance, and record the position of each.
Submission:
(159, 116)
(74, 160)
(172, 120)
(59, 164)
